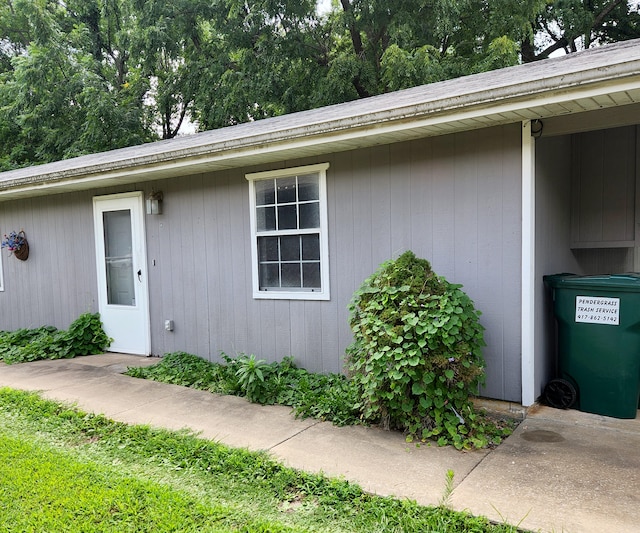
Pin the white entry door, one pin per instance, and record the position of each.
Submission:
(121, 259)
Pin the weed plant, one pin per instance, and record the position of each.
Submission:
(66, 470)
(437, 392)
(330, 397)
(85, 336)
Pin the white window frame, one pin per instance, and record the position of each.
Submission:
(1, 269)
(298, 294)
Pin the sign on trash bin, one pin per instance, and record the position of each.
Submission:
(598, 310)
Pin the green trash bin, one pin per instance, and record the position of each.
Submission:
(598, 341)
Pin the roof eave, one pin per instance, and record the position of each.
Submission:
(479, 108)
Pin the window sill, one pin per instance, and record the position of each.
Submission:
(285, 295)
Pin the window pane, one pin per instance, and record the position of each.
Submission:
(269, 275)
(311, 275)
(267, 249)
(287, 233)
(291, 275)
(286, 190)
(311, 247)
(287, 217)
(265, 218)
(290, 248)
(118, 244)
(265, 192)
(308, 188)
(310, 215)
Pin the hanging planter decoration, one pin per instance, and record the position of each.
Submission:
(16, 243)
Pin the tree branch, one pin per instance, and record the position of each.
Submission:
(561, 43)
(599, 20)
(174, 132)
(356, 39)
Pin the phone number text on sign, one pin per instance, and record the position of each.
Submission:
(597, 310)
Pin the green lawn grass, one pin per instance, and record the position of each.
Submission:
(45, 489)
(62, 470)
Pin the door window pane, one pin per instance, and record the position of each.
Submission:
(118, 251)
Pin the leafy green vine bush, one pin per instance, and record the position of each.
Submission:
(416, 358)
(85, 336)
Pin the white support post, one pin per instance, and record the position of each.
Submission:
(528, 265)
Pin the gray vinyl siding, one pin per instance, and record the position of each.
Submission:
(57, 282)
(454, 200)
(465, 199)
(603, 185)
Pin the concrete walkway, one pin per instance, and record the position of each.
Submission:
(561, 471)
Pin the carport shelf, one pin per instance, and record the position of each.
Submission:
(603, 244)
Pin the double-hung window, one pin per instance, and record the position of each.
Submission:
(289, 233)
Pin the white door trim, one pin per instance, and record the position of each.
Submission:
(142, 344)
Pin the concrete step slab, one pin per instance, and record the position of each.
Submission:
(553, 475)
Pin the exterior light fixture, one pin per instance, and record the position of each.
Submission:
(154, 203)
(536, 128)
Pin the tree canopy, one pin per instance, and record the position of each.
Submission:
(84, 76)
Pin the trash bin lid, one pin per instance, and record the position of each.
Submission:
(629, 281)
